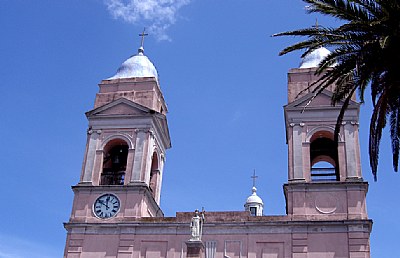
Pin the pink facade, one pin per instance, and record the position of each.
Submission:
(116, 209)
(226, 234)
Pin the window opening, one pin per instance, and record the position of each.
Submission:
(253, 211)
(323, 159)
(114, 163)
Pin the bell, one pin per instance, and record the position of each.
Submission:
(116, 159)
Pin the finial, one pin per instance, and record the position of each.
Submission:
(254, 178)
(316, 23)
(254, 190)
(143, 34)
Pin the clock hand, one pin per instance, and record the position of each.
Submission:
(105, 204)
(107, 201)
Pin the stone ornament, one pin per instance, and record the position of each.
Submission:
(196, 225)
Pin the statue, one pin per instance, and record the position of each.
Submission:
(196, 226)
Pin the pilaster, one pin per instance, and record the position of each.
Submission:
(140, 156)
(297, 152)
(89, 161)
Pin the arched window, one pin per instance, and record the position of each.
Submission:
(114, 162)
(323, 157)
(154, 173)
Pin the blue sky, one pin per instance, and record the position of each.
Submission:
(225, 86)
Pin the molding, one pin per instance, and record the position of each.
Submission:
(326, 186)
(144, 226)
(119, 135)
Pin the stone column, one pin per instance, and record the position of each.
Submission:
(138, 158)
(90, 156)
(352, 154)
(298, 173)
(195, 249)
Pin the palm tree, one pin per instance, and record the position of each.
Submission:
(365, 52)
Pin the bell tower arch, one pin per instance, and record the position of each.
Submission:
(115, 157)
(324, 165)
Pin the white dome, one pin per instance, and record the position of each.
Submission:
(136, 66)
(254, 199)
(314, 58)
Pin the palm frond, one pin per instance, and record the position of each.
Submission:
(378, 122)
(394, 135)
(341, 115)
(342, 9)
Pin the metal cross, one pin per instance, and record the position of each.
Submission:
(254, 178)
(143, 34)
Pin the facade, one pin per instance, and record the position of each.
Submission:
(116, 210)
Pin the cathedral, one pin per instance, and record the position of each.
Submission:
(116, 209)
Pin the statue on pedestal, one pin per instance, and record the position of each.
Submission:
(196, 226)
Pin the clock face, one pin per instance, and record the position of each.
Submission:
(106, 206)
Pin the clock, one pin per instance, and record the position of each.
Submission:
(106, 206)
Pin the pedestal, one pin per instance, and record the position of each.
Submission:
(195, 249)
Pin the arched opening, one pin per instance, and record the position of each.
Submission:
(114, 162)
(154, 174)
(324, 157)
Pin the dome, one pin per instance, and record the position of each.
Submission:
(314, 58)
(254, 199)
(136, 66)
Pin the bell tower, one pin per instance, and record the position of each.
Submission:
(122, 169)
(324, 178)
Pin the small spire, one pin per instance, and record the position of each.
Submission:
(143, 34)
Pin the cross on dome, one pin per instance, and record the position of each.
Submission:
(143, 34)
(137, 66)
(254, 177)
(313, 59)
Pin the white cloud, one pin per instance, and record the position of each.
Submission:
(157, 15)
